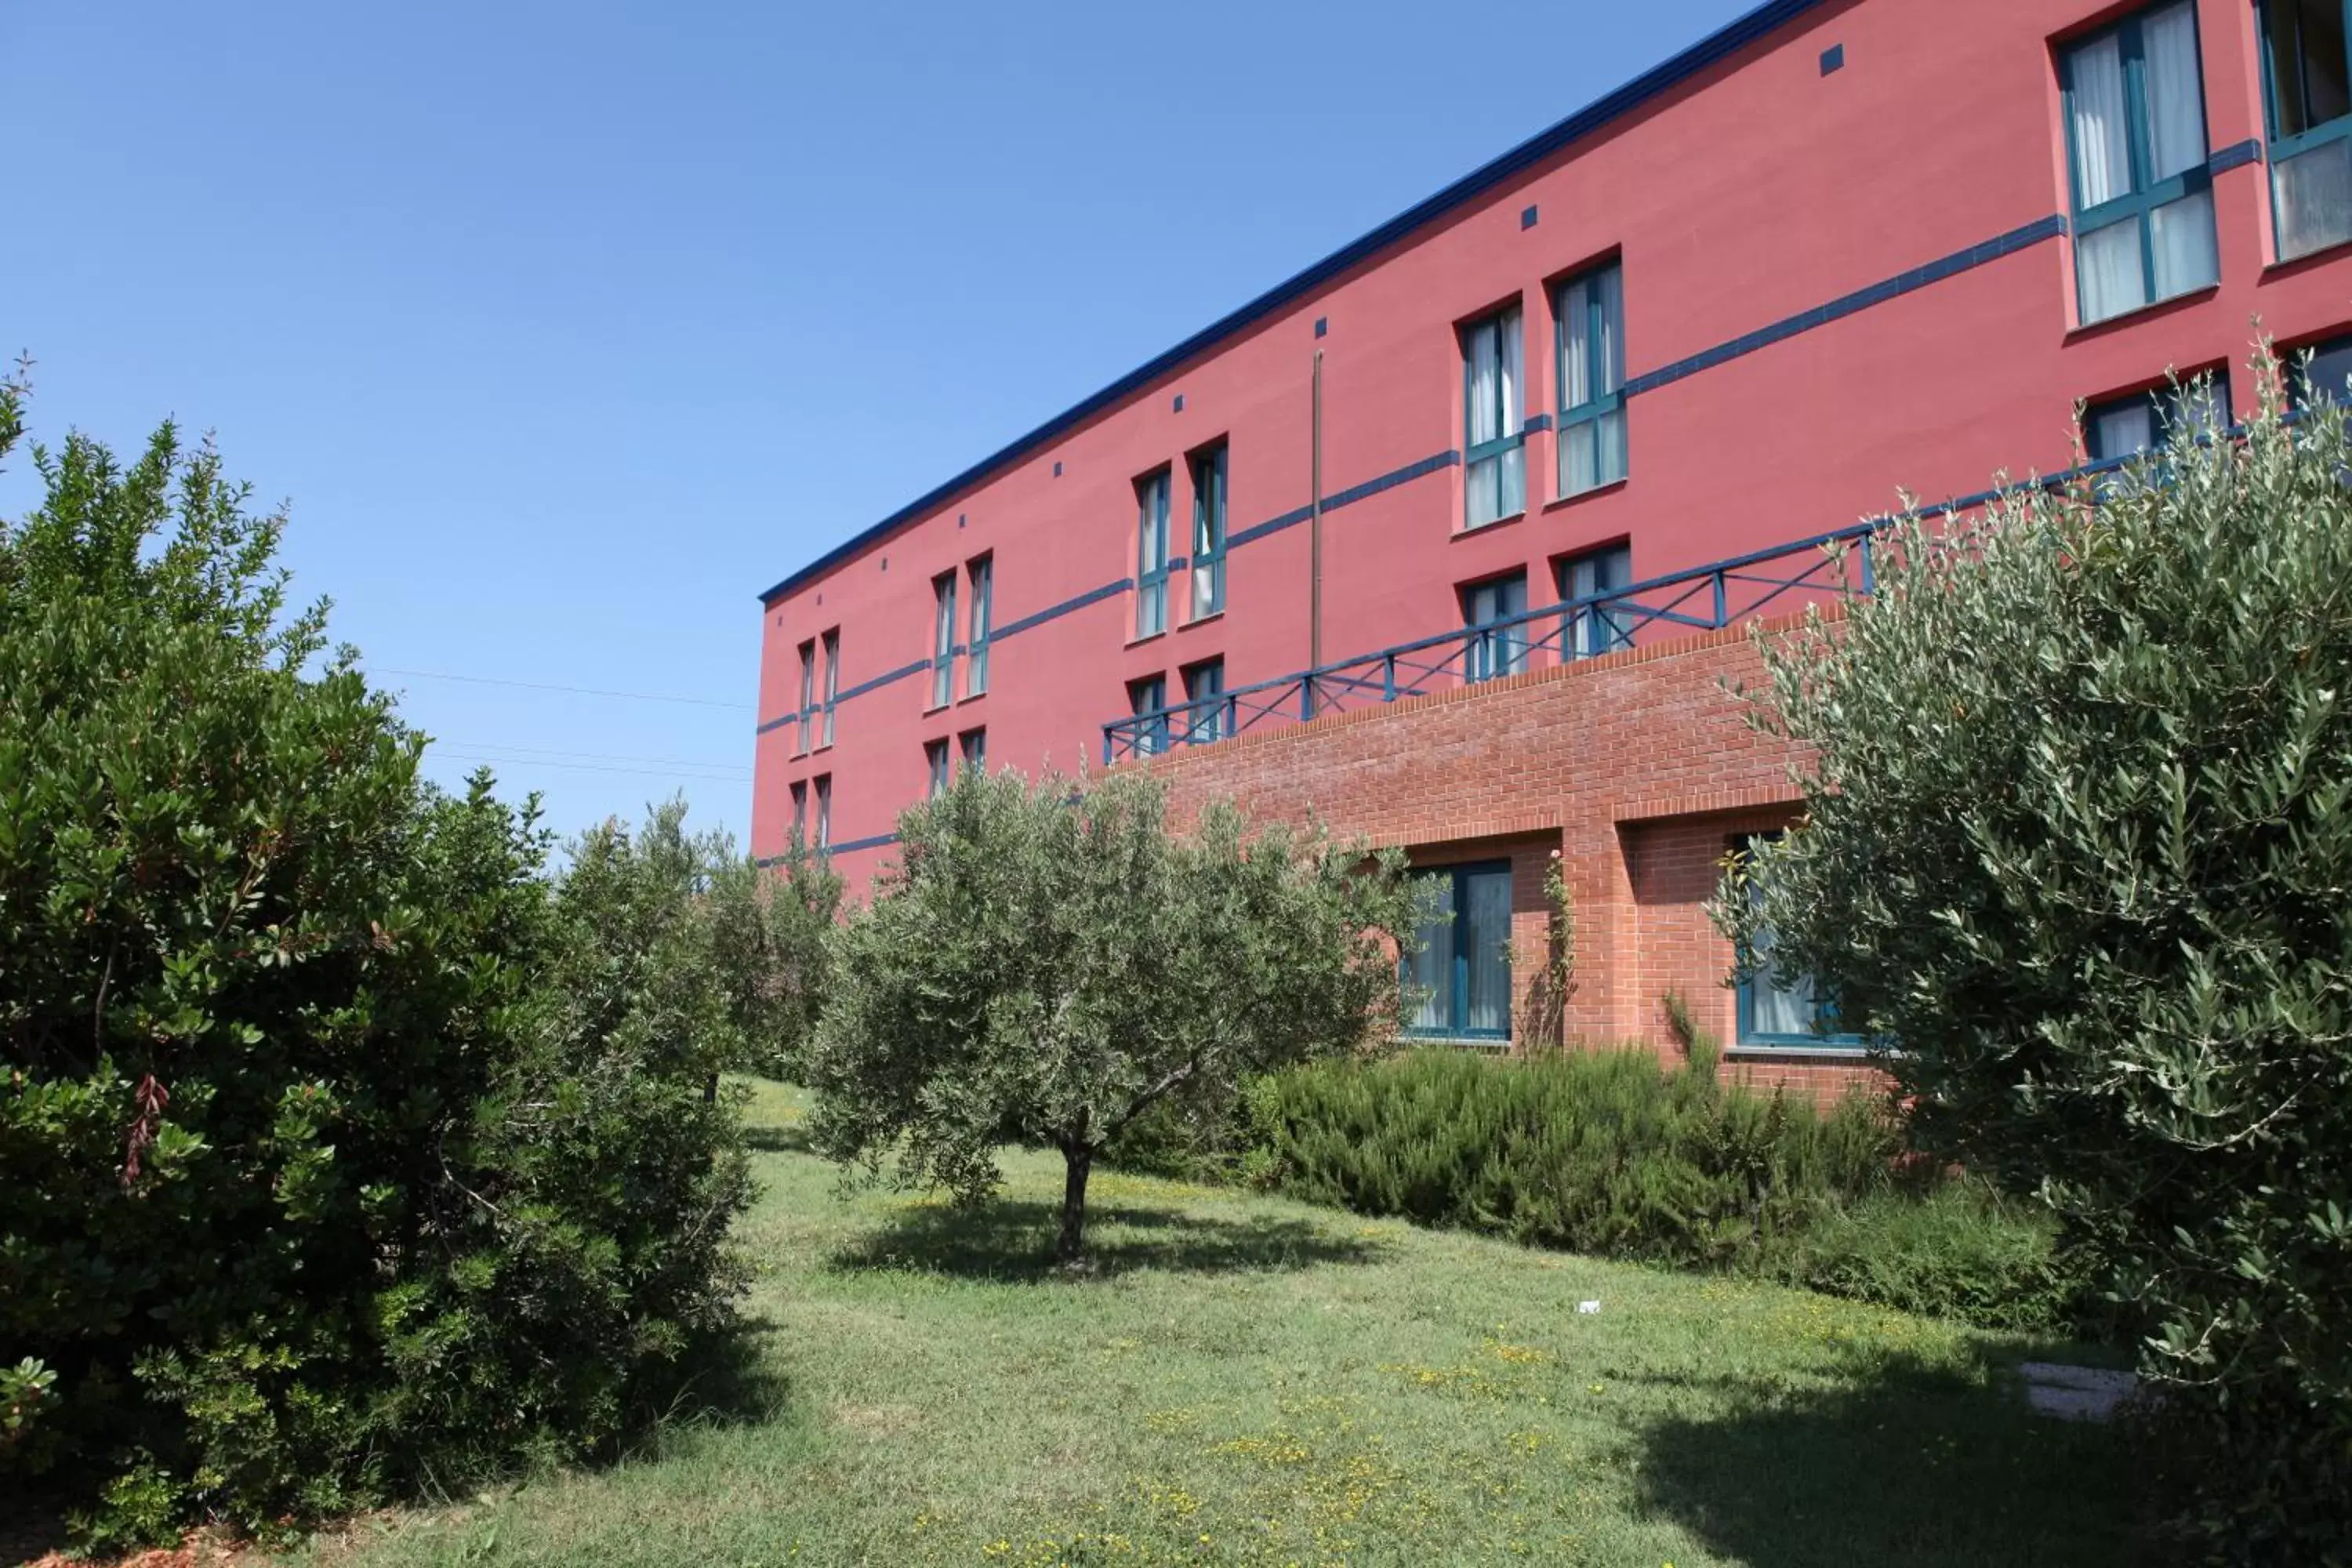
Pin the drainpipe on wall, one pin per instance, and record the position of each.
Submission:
(1314, 542)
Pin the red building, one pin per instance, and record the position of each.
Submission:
(1435, 539)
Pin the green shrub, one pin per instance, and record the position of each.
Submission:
(2079, 838)
(324, 1170)
(1600, 1151)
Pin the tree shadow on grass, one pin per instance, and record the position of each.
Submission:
(776, 1138)
(1012, 1241)
(1899, 1461)
(726, 1377)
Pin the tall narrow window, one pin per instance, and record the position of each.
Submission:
(935, 762)
(2307, 81)
(1496, 643)
(2125, 427)
(1495, 485)
(800, 815)
(1209, 532)
(1591, 316)
(832, 678)
(1151, 554)
(2136, 135)
(1204, 702)
(943, 642)
(1147, 700)
(824, 811)
(1783, 1007)
(808, 697)
(973, 745)
(983, 594)
(1460, 970)
(1593, 625)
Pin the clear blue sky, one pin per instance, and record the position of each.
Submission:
(566, 329)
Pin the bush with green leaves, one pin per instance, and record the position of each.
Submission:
(1605, 1152)
(1047, 965)
(2079, 840)
(338, 1154)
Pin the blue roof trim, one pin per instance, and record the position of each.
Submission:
(1709, 51)
(1879, 293)
(2236, 156)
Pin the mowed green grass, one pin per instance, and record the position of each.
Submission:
(1251, 1380)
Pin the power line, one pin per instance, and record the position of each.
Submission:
(574, 691)
(587, 756)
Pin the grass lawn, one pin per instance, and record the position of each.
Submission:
(1254, 1381)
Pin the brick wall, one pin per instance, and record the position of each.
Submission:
(1639, 767)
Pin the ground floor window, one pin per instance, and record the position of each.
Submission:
(1784, 1010)
(1460, 975)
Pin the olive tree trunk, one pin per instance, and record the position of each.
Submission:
(1078, 1162)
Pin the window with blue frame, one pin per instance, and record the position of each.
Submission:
(982, 573)
(2142, 201)
(824, 811)
(1208, 531)
(2324, 376)
(1460, 970)
(1589, 316)
(831, 641)
(2144, 421)
(1148, 700)
(1592, 625)
(2307, 93)
(1494, 454)
(800, 813)
(1779, 1010)
(808, 699)
(1151, 554)
(943, 642)
(1494, 643)
(1204, 700)
(973, 745)
(935, 761)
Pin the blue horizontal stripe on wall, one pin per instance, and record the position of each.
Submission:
(1055, 612)
(777, 723)
(1539, 422)
(862, 687)
(1917, 278)
(1333, 503)
(1660, 80)
(2228, 158)
(846, 847)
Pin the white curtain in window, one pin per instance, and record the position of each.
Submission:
(1486, 368)
(1487, 935)
(2107, 263)
(1507, 416)
(2101, 123)
(943, 647)
(1611, 360)
(2176, 99)
(2314, 198)
(1779, 1004)
(2185, 256)
(1432, 970)
(2121, 432)
(1576, 371)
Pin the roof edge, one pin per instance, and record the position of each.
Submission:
(1726, 40)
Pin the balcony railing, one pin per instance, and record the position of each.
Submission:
(1703, 598)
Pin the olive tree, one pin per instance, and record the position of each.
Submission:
(2078, 841)
(1045, 964)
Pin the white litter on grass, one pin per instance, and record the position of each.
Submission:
(1588, 1308)
(2077, 1393)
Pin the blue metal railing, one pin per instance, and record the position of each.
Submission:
(1701, 598)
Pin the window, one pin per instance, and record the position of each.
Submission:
(1209, 532)
(1151, 555)
(1204, 696)
(983, 572)
(1589, 629)
(808, 697)
(1495, 449)
(973, 745)
(1460, 970)
(832, 679)
(943, 642)
(935, 761)
(1779, 1009)
(824, 811)
(1491, 647)
(2327, 375)
(2135, 139)
(799, 814)
(1589, 314)
(2125, 427)
(2307, 86)
(1147, 700)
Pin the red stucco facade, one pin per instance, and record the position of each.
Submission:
(1842, 274)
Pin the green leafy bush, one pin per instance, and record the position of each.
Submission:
(2079, 837)
(1600, 1151)
(337, 1152)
